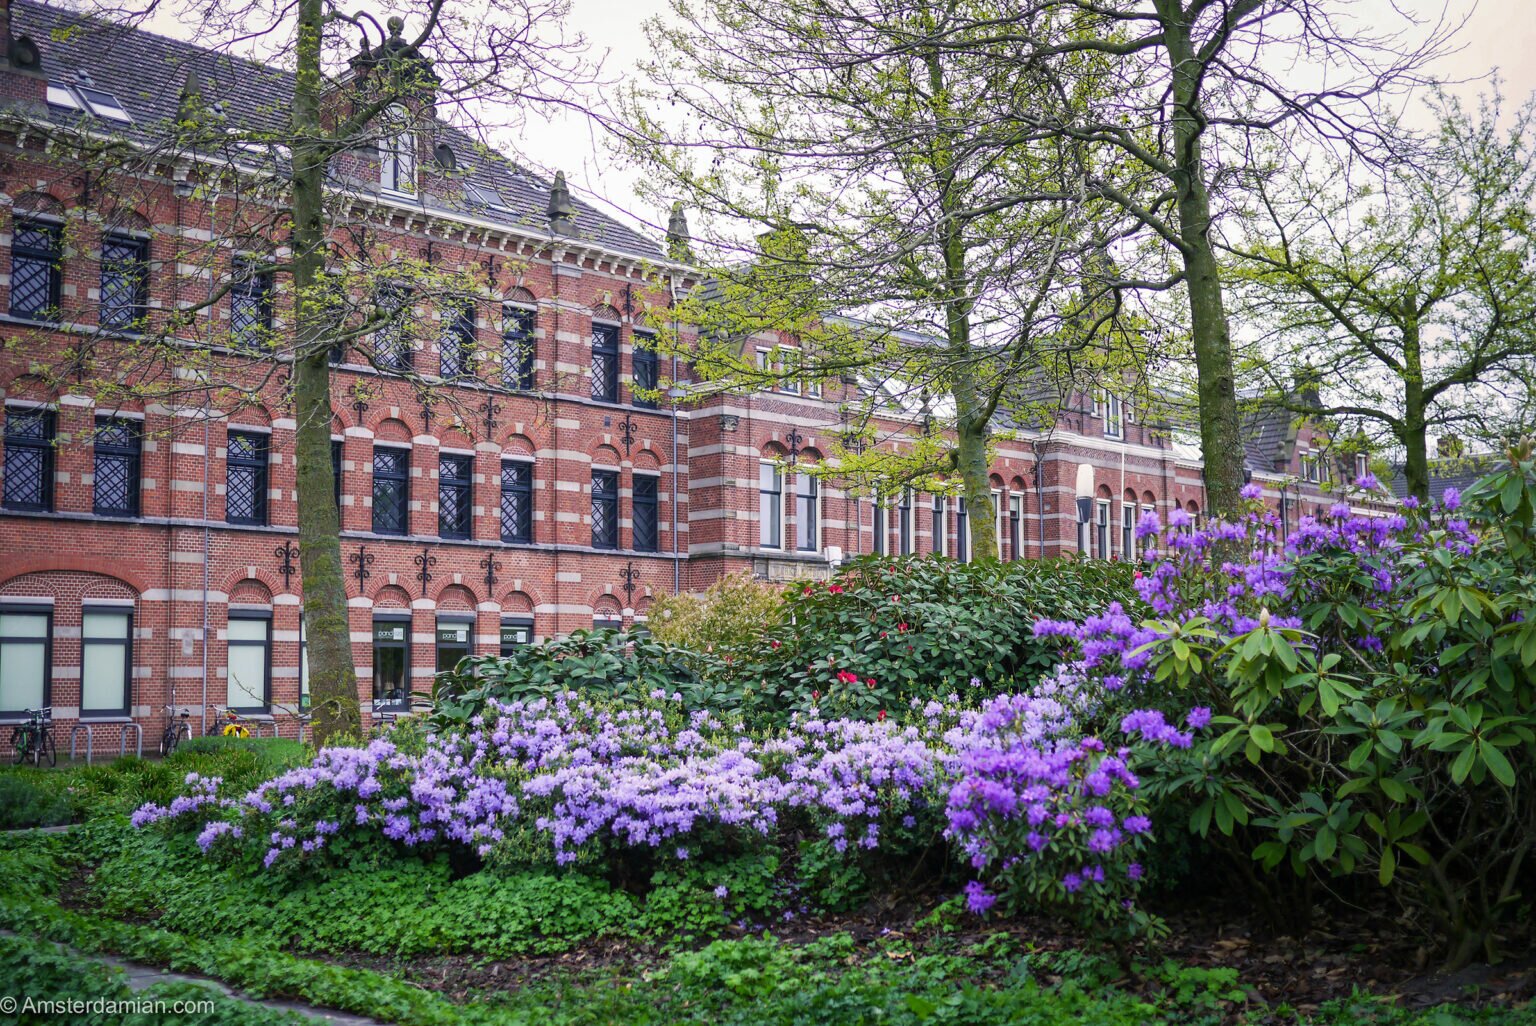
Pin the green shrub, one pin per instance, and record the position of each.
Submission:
(241, 762)
(27, 799)
(919, 628)
(599, 663)
(733, 617)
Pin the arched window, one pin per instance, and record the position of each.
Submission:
(397, 152)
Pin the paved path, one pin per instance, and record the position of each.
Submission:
(140, 977)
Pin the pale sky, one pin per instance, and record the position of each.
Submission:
(1499, 34)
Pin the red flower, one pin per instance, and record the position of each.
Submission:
(774, 644)
(901, 627)
(845, 677)
(1137, 575)
(881, 716)
(883, 635)
(835, 589)
(807, 590)
(895, 598)
(868, 680)
(815, 694)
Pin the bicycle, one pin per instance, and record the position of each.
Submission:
(34, 738)
(234, 726)
(175, 733)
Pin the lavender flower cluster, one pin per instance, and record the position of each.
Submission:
(1193, 574)
(585, 777)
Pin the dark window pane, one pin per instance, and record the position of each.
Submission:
(246, 491)
(605, 509)
(35, 270)
(391, 664)
(116, 477)
(605, 363)
(457, 345)
(29, 459)
(516, 502)
(124, 282)
(391, 346)
(454, 490)
(770, 507)
(514, 635)
(391, 491)
(518, 347)
(806, 533)
(645, 519)
(643, 361)
(452, 644)
(336, 473)
(250, 306)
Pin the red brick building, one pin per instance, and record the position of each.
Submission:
(148, 551)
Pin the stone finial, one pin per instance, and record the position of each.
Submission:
(562, 212)
(677, 235)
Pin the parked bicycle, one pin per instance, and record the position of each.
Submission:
(234, 726)
(176, 730)
(33, 739)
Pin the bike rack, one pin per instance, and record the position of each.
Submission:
(88, 725)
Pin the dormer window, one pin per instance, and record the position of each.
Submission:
(397, 153)
(61, 96)
(81, 98)
(105, 105)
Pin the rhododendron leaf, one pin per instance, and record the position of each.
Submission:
(1388, 867)
(1326, 844)
(1498, 764)
(1462, 767)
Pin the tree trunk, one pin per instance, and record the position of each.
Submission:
(1221, 444)
(1415, 433)
(332, 676)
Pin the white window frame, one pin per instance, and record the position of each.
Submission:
(1128, 530)
(997, 520)
(397, 154)
(769, 465)
(1101, 533)
(816, 497)
(1114, 417)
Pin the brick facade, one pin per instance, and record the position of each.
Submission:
(193, 581)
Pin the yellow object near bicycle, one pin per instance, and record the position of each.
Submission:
(236, 730)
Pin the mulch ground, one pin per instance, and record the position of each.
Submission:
(1359, 953)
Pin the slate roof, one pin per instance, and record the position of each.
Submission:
(1266, 430)
(146, 73)
(1460, 472)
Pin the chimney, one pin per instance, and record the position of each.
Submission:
(677, 235)
(562, 212)
(1307, 387)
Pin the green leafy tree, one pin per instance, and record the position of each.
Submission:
(836, 154)
(1408, 292)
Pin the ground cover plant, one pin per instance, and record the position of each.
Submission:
(935, 975)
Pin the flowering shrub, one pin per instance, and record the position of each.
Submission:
(1373, 681)
(616, 664)
(567, 780)
(884, 631)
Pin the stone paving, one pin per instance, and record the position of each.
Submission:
(140, 977)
